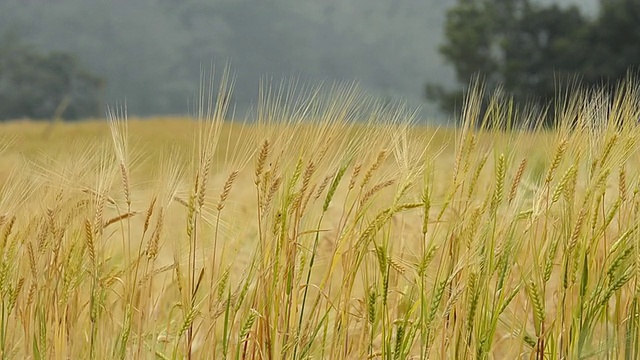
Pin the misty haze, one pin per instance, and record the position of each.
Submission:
(150, 52)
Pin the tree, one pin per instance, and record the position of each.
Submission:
(515, 44)
(546, 46)
(136, 45)
(37, 86)
(469, 48)
(616, 35)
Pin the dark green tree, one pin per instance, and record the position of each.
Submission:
(470, 48)
(616, 39)
(41, 86)
(548, 46)
(526, 48)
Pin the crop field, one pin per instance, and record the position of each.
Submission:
(332, 227)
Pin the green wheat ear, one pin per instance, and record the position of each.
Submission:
(499, 183)
(333, 187)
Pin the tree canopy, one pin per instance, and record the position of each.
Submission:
(530, 49)
(41, 86)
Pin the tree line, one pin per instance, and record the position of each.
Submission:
(531, 50)
(83, 53)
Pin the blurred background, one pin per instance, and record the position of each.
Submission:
(70, 58)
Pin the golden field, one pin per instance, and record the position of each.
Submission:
(308, 234)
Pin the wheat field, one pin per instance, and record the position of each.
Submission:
(332, 227)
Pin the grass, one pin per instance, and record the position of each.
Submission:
(310, 235)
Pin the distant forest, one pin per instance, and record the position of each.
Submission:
(150, 53)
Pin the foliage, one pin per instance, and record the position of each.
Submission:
(531, 50)
(615, 40)
(41, 86)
